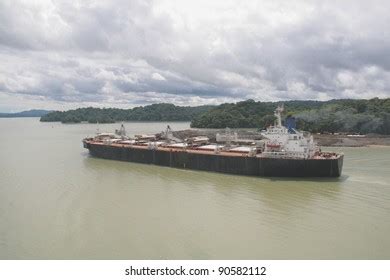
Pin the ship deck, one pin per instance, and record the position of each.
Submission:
(196, 150)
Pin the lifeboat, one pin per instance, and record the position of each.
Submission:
(273, 145)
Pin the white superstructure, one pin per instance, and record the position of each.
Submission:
(287, 143)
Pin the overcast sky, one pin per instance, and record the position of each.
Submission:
(126, 53)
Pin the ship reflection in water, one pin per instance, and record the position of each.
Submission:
(283, 152)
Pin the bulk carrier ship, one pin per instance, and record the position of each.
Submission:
(283, 151)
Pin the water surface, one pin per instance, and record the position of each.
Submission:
(57, 202)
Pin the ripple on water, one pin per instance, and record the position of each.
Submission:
(58, 202)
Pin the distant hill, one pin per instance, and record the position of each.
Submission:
(25, 114)
(155, 112)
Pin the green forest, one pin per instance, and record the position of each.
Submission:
(155, 112)
(346, 115)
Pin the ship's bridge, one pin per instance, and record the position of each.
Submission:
(287, 141)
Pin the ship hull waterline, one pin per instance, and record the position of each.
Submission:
(239, 165)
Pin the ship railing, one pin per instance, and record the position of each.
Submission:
(284, 155)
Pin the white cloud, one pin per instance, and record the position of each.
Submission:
(124, 53)
(158, 77)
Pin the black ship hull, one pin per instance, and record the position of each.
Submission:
(241, 165)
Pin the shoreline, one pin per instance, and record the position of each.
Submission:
(324, 140)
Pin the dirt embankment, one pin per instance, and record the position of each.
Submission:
(322, 139)
(352, 141)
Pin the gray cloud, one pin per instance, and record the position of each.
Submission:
(122, 53)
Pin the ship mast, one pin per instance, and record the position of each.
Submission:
(278, 115)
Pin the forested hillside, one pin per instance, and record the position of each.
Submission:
(351, 116)
(347, 115)
(155, 112)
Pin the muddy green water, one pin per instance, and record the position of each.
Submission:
(57, 202)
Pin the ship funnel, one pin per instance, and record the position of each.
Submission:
(291, 124)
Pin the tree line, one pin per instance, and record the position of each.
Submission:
(155, 112)
(346, 115)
